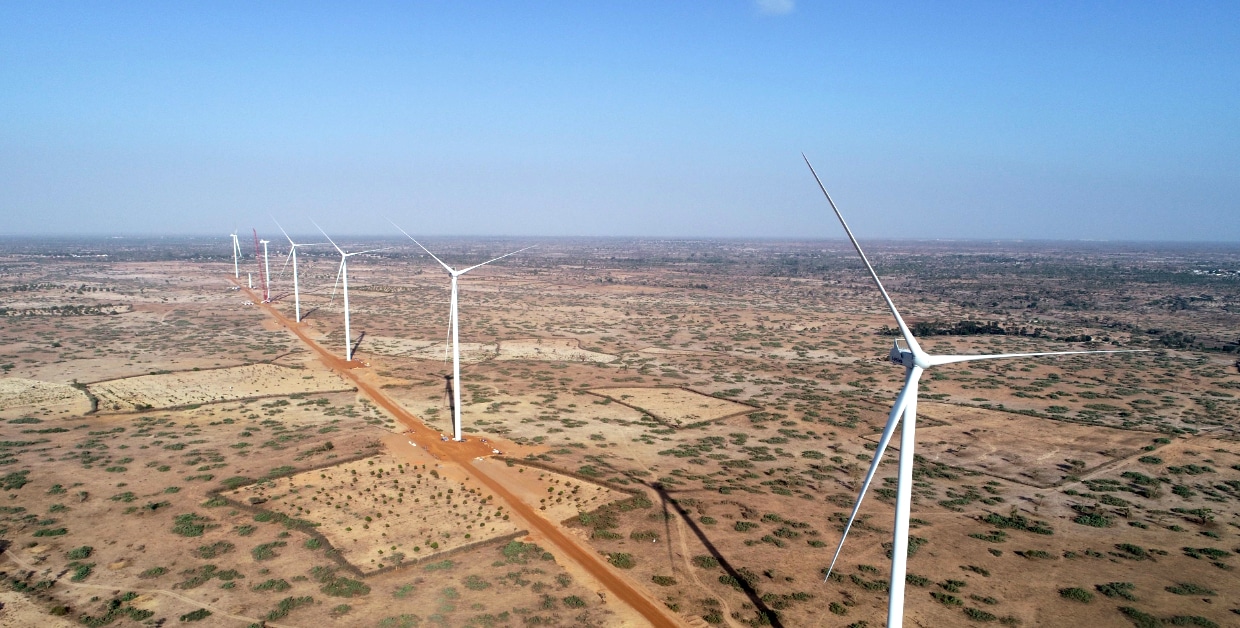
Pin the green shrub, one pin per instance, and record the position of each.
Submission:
(79, 553)
(215, 549)
(273, 584)
(190, 524)
(663, 581)
(622, 560)
(976, 614)
(266, 551)
(287, 605)
(705, 562)
(573, 601)
(197, 615)
(1140, 619)
(1117, 590)
(1186, 588)
(1076, 593)
(744, 526)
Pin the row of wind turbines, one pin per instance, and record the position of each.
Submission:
(903, 412)
(342, 280)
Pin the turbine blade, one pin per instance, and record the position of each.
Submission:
(447, 342)
(496, 259)
(287, 258)
(893, 419)
(904, 330)
(445, 266)
(281, 227)
(329, 238)
(339, 269)
(935, 360)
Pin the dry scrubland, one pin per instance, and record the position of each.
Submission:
(732, 389)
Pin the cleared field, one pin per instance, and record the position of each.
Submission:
(378, 512)
(192, 387)
(674, 405)
(18, 394)
(551, 349)
(1029, 450)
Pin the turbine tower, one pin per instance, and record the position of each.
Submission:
(343, 272)
(236, 255)
(915, 361)
(292, 255)
(457, 434)
(266, 272)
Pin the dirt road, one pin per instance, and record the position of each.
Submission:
(462, 455)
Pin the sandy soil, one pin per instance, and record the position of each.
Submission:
(18, 395)
(1028, 450)
(396, 513)
(674, 406)
(210, 386)
(551, 349)
(17, 611)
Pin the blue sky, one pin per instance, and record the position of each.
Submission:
(1091, 120)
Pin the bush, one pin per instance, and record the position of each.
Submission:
(266, 551)
(573, 601)
(1140, 619)
(976, 614)
(1076, 593)
(663, 581)
(1185, 588)
(474, 583)
(622, 560)
(214, 549)
(79, 553)
(197, 615)
(153, 572)
(1117, 589)
(189, 524)
(287, 605)
(744, 526)
(705, 562)
(273, 584)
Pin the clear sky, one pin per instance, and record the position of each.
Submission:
(996, 119)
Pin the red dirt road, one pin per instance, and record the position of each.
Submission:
(462, 455)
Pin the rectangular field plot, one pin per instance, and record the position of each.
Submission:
(184, 388)
(1029, 450)
(379, 514)
(674, 406)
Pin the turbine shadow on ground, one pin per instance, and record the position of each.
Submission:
(745, 587)
(358, 343)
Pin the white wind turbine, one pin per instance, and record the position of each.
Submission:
(266, 272)
(236, 255)
(915, 362)
(343, 272)
(292, 255)
(457, 435)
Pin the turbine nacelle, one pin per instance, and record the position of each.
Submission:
(900, 355)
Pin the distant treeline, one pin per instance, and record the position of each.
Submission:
(1162, 338)
(976, 328)
(67, 310)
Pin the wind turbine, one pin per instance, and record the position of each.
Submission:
(457, 435)
(344, 272)
(292, 255)
(266, 272)
(915, 361)
(236, 255)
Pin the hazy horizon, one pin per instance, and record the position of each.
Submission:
(1113, 122)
